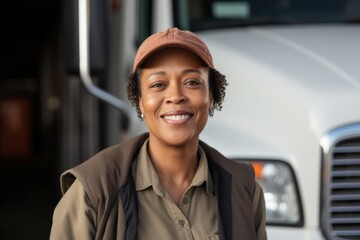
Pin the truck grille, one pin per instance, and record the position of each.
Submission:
(341, 183)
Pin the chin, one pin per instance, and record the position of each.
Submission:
(179, 139)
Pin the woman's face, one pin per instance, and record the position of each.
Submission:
(175, 97)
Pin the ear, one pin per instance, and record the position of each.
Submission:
(211, 98)
(211, 101)
(141, 105)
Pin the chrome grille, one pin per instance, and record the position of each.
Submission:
(341, 183)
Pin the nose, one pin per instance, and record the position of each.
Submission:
(175, 94)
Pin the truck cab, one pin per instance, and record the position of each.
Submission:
(292, 105)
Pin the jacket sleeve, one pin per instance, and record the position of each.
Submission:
(259, 211)
(73, 217)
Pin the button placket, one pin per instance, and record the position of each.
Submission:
(185, 200)
(184, 204)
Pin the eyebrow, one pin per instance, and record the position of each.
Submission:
(162, 73)
(186, 71)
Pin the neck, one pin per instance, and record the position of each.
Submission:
(174, 165)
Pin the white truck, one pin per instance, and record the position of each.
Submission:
(292, 107)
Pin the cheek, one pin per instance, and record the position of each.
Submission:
(150, 102)
(202, 101)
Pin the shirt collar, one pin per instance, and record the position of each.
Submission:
(146, 176)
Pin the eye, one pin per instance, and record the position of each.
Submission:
(193, 82)
(157, 85)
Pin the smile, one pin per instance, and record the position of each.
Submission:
(177, 117)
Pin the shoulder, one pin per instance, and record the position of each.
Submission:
(106, 171)
(241, 173)
(73, 215)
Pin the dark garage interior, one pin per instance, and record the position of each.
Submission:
(29, 122)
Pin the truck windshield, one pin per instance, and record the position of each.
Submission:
(197, 15)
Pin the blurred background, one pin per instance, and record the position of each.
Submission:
(48, 121)
(30, 91)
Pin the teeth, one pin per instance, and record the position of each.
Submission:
(177, 117)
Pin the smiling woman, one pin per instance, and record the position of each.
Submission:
(166, 183)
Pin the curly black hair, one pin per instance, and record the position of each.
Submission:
(217, 85)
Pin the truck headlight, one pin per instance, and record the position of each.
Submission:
(283, 205)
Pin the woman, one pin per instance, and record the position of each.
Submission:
(165, 184)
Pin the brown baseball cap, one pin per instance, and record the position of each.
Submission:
(173, 37)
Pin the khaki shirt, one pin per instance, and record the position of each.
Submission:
(195, 217)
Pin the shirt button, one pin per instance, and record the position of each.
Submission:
(182, 222)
